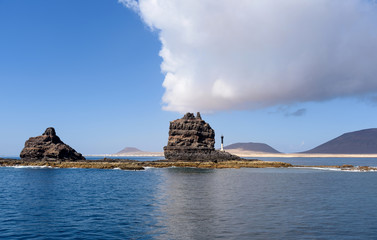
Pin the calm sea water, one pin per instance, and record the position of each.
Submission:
(176, 203)
(371, 162)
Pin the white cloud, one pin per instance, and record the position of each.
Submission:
(245, 54)
(133, 4)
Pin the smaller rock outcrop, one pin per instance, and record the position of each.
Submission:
(48, 147)
(192, 139)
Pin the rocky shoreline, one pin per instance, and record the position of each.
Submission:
(126, 164)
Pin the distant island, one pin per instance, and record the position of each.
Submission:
(251, 146)
(362, 143)
(127, 150)
(358, 142)
(132, 151)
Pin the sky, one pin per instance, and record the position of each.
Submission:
(110, 74)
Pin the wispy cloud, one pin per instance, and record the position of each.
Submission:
(289, 111)
(297, 113)
(221, 54)
(134, 5)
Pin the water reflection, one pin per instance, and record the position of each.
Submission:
(204, 204)
(187, 196)
(260, 204)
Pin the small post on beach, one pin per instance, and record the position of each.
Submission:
(222, 143)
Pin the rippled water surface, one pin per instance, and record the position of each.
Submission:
(176, 203)
(334, 161)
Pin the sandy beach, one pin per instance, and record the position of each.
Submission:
(242, 153)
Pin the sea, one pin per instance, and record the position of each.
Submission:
(189, 203)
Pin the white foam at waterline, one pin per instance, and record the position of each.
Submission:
(148, 168)
(328, 169)
(32, 167)
(337, 169)
(320, 168)
(359, 170)
(129, 170)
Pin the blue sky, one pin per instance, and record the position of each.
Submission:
(91, 69)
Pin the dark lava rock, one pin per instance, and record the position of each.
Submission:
(192, 139)
(48, 147)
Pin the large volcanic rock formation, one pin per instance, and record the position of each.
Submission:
(191, 138)
(48, 147)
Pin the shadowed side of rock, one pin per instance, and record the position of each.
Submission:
(48, 146)
(192, 154)
(192, 139)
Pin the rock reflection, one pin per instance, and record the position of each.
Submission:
(195, 203)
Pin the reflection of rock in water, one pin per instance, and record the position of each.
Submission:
(190, 203)
(191, 138)
(48, 147)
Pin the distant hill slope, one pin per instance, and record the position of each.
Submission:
(358, 142)
(129, 150)
(255, 147)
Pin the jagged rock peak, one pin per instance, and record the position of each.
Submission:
(48, 146)
(189, 116)
(50, 132)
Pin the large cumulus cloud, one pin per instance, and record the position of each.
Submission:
(246, 54)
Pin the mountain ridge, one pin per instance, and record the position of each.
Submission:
(357, 142)
(252, 146)
(129, 150)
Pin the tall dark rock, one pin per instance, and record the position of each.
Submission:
(48, 147)
(191, 131)
(191, 138)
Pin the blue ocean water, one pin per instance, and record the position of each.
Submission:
(177, 203)
(126, 157)
(333, 161)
